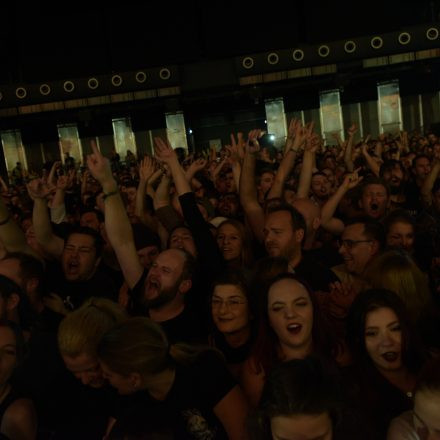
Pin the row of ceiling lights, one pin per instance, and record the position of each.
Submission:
(92, 83)
(350, 47)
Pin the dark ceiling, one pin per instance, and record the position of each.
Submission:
(42, 42)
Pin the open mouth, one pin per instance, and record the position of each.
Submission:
(374, 207)
(390, 356)
(72, 266)
(294, 329)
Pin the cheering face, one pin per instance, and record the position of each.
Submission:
(320, 186)
(302, 427)
(229, 242)
(230, 309)
(181, 238)
(383, 339)
(290, 312)
(79, 260)
(374, 201)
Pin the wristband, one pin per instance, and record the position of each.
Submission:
(111, 193)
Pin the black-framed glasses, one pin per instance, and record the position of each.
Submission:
(350, 244)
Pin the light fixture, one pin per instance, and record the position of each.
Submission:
(141, 77)
(164, 74)
(323, 51)
(298, 55)
(20, 92)
(350, 46)
(68, 86)
(248, 62)
(190, 131)
(93, 83)
(117, 80)
(376, 42)
(45, 89)
(432, 33)
(404, 38)
(273, 58)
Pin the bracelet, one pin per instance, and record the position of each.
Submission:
(6, 220)
(111, 193)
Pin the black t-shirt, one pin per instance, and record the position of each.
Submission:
(315, 273)
(188, 326)
(104, 283)
(327, 255)
(187, 412)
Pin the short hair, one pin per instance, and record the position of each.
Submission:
(20, 343)
(373, 230)
(419, 156)
(8, 287)
(81, 330)
(296, 217)
(373, 180)
(99, 214)
(85, 230)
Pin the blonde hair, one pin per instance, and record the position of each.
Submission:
(139, 345)
(395, 270)
(81, 330)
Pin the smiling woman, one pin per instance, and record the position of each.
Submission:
(386, 357)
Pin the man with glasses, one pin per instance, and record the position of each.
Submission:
(361, 240)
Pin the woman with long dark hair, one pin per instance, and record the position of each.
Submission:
(290, 327)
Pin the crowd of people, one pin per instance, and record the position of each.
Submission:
(246, 293)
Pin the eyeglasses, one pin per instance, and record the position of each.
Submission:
(231, 303)
(350, 244)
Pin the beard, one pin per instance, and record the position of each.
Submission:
(165, 296)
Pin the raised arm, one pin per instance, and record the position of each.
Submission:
(52, 244)
(309, 162)
(294, 141)
(372, 164)
(348, 150)
(146, 171)
(117, 224)
(11, 235)
(428, 184)
(328, 221)
(248, 195)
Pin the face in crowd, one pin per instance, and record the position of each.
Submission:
(229, 241)
(85, 367)
(401, 235)
(383, 339)
(79, 260)
(280, 238)
(320, 186)
(181, 238)
(356, 248)
(230, 309)
(394, 177)
(374, 201)
(164, 280)
(8, 353)
(290, 312)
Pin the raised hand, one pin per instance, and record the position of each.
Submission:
(163, 150)
(239, 146)
(147, 168)
(38, 189)
(353, 179)
(99, 166)
(252, 144)
(352, 130)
